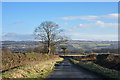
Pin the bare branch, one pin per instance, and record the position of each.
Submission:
(49, 32)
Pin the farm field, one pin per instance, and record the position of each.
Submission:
(70, 44)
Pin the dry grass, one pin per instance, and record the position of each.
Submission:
(37, 70)
(108, 73)
(19, 59)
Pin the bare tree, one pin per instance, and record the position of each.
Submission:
(50, 33)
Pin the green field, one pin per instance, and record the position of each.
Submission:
(90, 45)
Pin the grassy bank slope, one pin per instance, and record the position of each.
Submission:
(38, 70)
(19, 59)
(108, 73)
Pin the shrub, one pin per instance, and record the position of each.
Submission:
(111, 61)
(102, 57)
(5, 50)
(89, 57)
(17, 59)
(108, 73)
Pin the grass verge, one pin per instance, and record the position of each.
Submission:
(38, 70)
(108, 73)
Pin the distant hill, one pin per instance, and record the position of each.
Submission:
(72, 44)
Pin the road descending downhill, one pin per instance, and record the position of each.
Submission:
(67, 70)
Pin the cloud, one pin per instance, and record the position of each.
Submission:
(19, 22)
(99, 22)
(96, 24)
(65, 24)
(91, 17)
(101, 37)
(110, 16)
(75, 28)
(103, 24)
(17, 37)
(78, 18)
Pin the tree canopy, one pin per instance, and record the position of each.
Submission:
(50, 33)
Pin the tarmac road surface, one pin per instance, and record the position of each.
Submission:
(68, 71)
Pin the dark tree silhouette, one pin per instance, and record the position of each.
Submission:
(63, 47)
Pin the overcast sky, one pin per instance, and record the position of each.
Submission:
(80, 20)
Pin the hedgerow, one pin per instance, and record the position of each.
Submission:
(18, 59)
(108, 73)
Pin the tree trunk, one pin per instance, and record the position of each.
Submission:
(49, 50)
(64, 52)
(49, 46)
